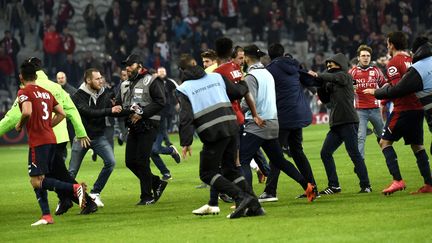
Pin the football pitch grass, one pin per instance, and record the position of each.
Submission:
(345, 217)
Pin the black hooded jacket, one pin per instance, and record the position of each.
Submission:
(187, 121)
(337, 87)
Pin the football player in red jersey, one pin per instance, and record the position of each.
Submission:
(37, 105)
(405, 121)
(366, 76)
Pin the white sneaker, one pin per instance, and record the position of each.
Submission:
(44, 220)
(96, 198)
(206, 210)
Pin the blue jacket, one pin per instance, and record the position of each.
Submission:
(292, 106)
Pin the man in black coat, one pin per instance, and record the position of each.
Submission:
(337, 90)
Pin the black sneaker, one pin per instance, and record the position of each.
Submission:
(331, 190)
(225, 198)
(120, 141)
(367, 189)
(166, 177)
(157, 193)
(267, 197)
(146, 202)
(90, 207)
(175, 154)
(63, 206)
(257, 212)
(240, 210)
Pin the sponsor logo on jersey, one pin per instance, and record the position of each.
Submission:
(23, 98)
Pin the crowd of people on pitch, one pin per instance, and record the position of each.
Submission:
(240, 101)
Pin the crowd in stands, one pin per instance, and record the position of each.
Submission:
(160, 30)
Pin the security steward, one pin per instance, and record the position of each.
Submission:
(205, 108)
(143, 97)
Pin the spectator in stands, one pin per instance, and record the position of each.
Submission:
(12, 47)
(181, 29)
(43, 27)
(255, 20)
(141, 49)
(325, 36)
(93, 21)
(115, 18)
(72, 70)
(275, 15)
(52, 45)
(6, 69)
(90, 62)
(273, 33)
(68, 41)
(64, 14)
(111, 43)
(15, 18)
(301, 44)
(228, 10)
(48, 7)
(155, 60)
(388, 25)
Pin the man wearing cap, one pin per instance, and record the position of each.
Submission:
(142, 97)
(262, 88)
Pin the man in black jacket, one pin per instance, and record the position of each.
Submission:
(337, 90)
(205, 108)
(142, 97)
(94, 104)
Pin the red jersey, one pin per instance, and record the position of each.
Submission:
(370, 77)
(232, 72)
(396, 68)
(39, 128)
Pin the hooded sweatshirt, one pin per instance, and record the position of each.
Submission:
(93, 106)
(338, 84)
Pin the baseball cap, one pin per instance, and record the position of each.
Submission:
(131, 59)
(253, 50)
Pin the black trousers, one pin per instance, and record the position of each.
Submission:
(138, 150)
(347, 134)
(59, 171)
(218, 168)
(293, 138)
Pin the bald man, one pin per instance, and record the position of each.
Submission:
(62, 80)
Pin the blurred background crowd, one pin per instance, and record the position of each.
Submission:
(73, 35)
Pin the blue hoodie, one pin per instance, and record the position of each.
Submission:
(292, 106)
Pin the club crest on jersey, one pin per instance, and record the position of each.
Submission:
(23, 98)
(392, 71)
(372, 73)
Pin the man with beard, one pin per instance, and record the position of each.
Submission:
(142, 99)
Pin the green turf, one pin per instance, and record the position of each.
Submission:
(347, 217)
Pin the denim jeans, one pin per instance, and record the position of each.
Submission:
(337, 135)
(366, 115)
(103, 149)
